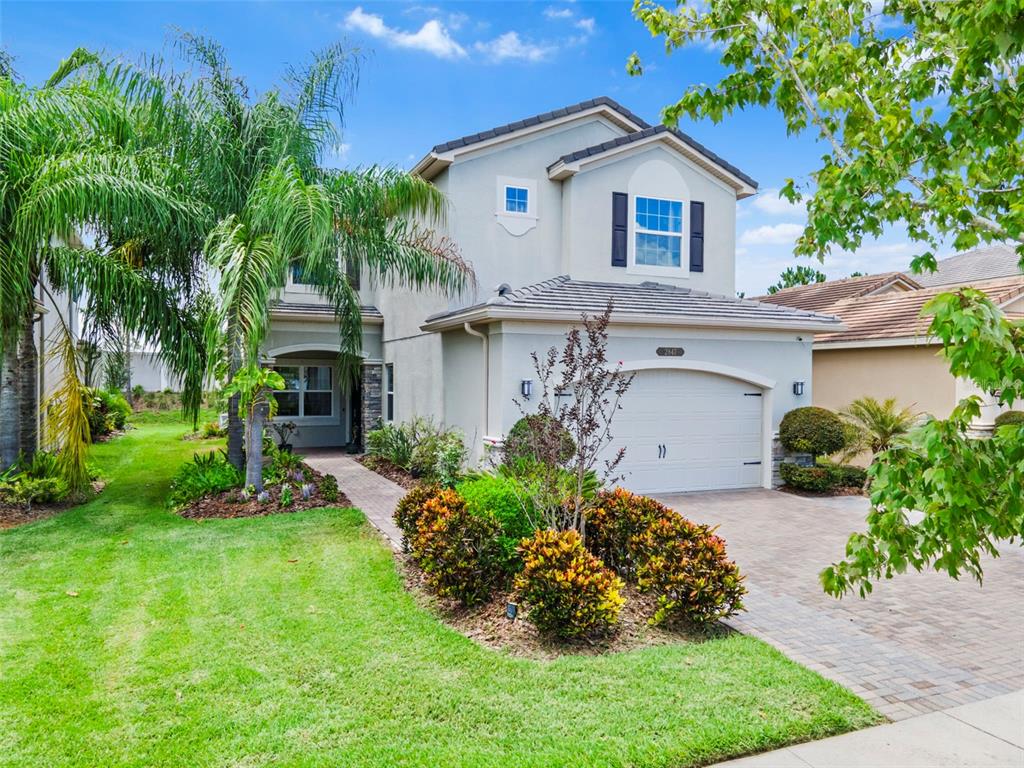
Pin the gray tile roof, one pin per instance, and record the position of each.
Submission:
(649, 298)
(646, 133)
(285, 308)
(985, 263)
(544, 117)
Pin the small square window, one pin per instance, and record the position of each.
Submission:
(516, 200)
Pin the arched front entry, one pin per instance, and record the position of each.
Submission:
(694, 426)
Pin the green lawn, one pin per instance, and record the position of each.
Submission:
(203, 645)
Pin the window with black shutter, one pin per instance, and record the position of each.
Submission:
(620, 228)
(696, 236)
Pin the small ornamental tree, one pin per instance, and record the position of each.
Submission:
(580, 393)
(812, 430)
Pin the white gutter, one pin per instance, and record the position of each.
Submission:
(493, 313)
(487, 373)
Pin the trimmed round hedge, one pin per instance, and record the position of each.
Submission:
(536, 434)
(813, 430)
(1010, 417)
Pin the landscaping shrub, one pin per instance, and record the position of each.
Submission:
(813, 430)
(451, 456)
(458, 551)
(28, 490)
(213, 429)
(407, 513)
(283, 467)
(105, 411)
(568, 591)
(848, 475)
(328, 487)
(538, 438)
(817, 478)
(682, 563)
(501, 498)
(1010, 417)
(420, 447)
(686, 566)
(206, 473)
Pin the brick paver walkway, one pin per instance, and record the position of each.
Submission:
(919, 643)
(376, 496)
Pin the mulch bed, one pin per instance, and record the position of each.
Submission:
(231, 504)
(12, 515)
(487, 624)
(392, 472)
(845, 490)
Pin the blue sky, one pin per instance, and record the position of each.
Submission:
(434, 71)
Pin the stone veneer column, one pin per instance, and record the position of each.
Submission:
(370, 400)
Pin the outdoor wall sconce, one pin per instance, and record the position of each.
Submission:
(798, 388)
(526, 387)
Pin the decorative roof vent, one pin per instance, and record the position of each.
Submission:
(503, 289)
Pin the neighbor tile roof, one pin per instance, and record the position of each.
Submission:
(544, 117)
(819, 296)
(563, 294)
(897, 315)
(285, 308)
(986, 263)
(654, 130)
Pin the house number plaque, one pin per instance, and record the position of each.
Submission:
(670, 351)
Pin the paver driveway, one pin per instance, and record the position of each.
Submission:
(920, 643)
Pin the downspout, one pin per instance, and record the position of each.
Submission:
(487, 374)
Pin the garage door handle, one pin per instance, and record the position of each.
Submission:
(748, 463)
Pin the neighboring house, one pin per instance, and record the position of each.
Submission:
(638, 214)
(986, 263)
(885, 350)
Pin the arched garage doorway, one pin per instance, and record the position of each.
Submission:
(694, 426)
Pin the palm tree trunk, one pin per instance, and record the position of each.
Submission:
(29, 381)
(10, 406)
(254, 450)
(236, 429)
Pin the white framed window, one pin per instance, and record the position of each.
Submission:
(389, 392)
(517, 199)
(308, 391)
(658, 233)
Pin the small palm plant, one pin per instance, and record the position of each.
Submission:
(878, 424)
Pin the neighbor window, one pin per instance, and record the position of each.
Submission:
(389, 392)
(659, 232)
(308, 390)
(516, 199)
(300, 277)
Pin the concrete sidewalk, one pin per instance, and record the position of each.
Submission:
(985, 734)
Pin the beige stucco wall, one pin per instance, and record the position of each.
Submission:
(915, 376)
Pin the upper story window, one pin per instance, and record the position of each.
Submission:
(658, 232)
(517, 199)
(299, 276)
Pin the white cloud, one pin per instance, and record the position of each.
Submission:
(772, 234)
(509, 46)
(343, 150)
(587, 25)
(432, 37)
(558, 13)
(768, 201)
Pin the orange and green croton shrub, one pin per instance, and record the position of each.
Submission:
(459, 552)
(684, 564)
(568, 591)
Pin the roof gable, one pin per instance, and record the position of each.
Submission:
(443, 154)
(574, 162)
(820, 296)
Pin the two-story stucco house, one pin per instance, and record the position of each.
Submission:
(559, 213)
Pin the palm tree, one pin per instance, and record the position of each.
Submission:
(878, 424)
(83, 153)
(277, 209)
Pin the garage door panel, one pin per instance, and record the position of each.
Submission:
(689, 431)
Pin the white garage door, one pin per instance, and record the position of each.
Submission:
(689, 431)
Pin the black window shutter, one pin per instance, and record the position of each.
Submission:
(620, 227)
(696, 236)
